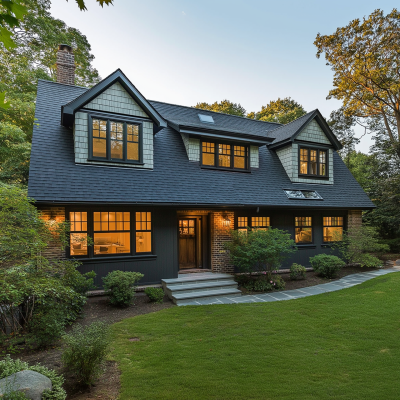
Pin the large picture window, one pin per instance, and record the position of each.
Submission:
(111, 233)
(333, 229)
(303, 230)
(114, 141)
(224, 156)
(313, 162)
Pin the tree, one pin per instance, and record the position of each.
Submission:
(365, 59)
(342, 126)
(260, 250)
(225, 106)
(281, 111)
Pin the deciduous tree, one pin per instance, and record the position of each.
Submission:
(224, 106)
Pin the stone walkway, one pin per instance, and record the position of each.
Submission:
(347, 281)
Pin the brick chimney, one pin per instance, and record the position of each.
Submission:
(65, 65)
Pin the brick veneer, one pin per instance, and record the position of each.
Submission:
(53, 250)
(354, 219)
(65, 65)
(220, 235)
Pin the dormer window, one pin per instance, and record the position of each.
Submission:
(313, 162)
(224, 156)
(114, 141)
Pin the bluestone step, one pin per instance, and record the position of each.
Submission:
(205, 295)
(199, 286)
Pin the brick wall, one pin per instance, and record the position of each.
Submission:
(219, 235)
(354, 219)
(54, 250)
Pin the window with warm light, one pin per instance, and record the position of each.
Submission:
(303, 230)
(224, 156)
(143, 232)
(260, 223)
(313, 162)
(242, 224)
(111, 233)
(114, 141)
(333, 229)
(78, 235)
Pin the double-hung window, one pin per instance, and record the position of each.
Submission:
(224, 156)
(333, 229)
(303, 230)
(114, 141)
(78, 235)
(313, 162)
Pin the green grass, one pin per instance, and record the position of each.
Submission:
(341, 345)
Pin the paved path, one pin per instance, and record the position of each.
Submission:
(347, 281)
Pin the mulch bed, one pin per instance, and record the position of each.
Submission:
(96, 309)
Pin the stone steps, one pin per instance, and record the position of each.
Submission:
(200, 286)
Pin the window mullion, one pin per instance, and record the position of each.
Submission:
(108, 136)
(125, 142)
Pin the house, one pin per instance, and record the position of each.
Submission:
(157, 186)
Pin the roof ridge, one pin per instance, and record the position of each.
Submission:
(291, 122)
(63, 84)
(216, 112)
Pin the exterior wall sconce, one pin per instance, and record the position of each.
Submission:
(226, 221)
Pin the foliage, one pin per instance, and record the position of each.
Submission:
(120, 288)
(297, 271)
(281, 111)
(9, 366)
(14, 395)
(14, 154)
(357, 244)
(308, 337)
(11, 14)
(364, 56)
(326, 265)
(86, 349)
(155, 294)
(47, 324)
(225, 107)
(394, 244)
(260, 250)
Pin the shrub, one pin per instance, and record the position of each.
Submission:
(9, 366)
(155, 295)
(278, 282)
(14, 395)
(326, 265)
(85, 351)
(259, 250)
(47, 325)
(394, 244)
(119, 286)
(297, 271)
(262, 285)
(357, 244)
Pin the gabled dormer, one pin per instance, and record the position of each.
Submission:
(113, 124)
(305, 148)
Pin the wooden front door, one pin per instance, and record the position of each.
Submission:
(187, 243)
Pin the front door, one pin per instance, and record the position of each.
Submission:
(187, 243)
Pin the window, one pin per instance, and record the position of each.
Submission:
(260, 223)
(78, 235)
(303, 229)
(242, 224)
(206, 118)
(333, 229)
(313, 162)
(114, 141)
(143, 232)
(226, 156)
(254, 222)
(111, 233)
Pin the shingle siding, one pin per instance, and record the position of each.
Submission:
(312, 132)
(116, 99)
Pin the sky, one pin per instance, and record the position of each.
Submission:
(249, 52)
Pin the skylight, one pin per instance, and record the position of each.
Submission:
(206, 118)
(303, 194)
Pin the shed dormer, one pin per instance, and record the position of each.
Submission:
(305, 148)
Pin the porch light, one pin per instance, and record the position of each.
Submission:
(226, 220)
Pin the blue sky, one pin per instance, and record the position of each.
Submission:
(249, 52)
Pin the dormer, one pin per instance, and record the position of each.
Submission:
(218, 141)
(305, 148)
(113, 124)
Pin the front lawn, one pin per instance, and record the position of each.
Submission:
(340, 345)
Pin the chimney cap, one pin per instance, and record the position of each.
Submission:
(65, 47)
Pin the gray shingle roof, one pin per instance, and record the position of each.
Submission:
(54, 176)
